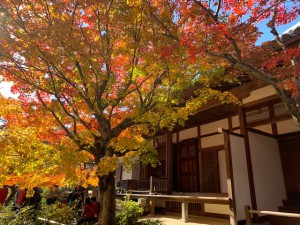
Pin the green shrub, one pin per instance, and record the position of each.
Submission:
(9, 216)
(130, 212)
(58, 212)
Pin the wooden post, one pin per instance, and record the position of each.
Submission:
(151, 205)
(184, 211)
(230, 181)
(244, 131)
(169, 165)
(248, 215)
(200, 175)
(151, 185)
(272, 115)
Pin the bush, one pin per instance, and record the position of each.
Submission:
(130, 212)
(58, 212)
(11, 216)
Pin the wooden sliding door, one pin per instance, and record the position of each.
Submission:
(187, 159)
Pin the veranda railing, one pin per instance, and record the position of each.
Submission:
(249, 211)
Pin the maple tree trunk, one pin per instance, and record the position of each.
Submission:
(107, 199)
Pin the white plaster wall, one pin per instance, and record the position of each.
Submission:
(287, 126)
(188, 133)
(214, 140)
(259, 94)
(235, 121)
(267, 172)
(240, 175)
(126, 174)
(265, 128)
(213, 127)
(215, 208)
(222, 171)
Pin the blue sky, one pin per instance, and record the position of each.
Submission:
(267, 36)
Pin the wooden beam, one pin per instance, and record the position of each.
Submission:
(264, 102)
(213, 148)
(196, 123)
(289, 136)
(261, 133)
(275, 213)
(269, 121)
(221, 200)
(240, 92)
(210, 134)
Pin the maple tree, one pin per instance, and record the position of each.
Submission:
(225, 33)
(27, 159)
(104, 74)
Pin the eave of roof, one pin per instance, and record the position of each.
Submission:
(291, 35)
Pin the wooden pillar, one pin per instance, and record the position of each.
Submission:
(248, 215)
(185, 211)
(151, 191)
(230, 124)
(169, 151)
(230, 181)
(244, 131)
(272, 115)
(200, 159)
(151, 205)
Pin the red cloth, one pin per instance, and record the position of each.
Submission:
(89, 211)
(3, 195)
(95, 207)
(21, 197)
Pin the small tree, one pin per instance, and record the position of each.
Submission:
(129, 213)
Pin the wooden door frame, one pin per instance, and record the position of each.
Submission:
(179, 186)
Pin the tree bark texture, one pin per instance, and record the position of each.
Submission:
(107, 199)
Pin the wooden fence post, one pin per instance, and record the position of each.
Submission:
(248, 215)
(184, 211)
(151, 185)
